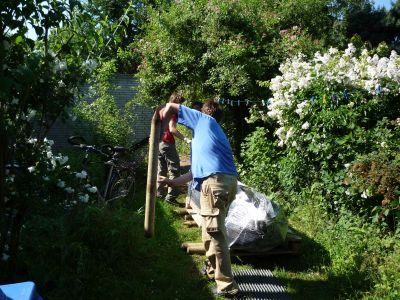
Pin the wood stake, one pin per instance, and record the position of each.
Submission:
(151, 188)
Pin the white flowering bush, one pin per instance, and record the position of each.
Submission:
(37, 182)
(329, 112)
(38, 178)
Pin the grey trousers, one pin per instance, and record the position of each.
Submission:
(168, 166)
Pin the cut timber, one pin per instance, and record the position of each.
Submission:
(151, 187)
(190, 223)
(188, 218)
(196, 249)
(181, 211)
(187, 245)
(292, 247)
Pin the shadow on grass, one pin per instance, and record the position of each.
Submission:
(307, 275)
(93, 252)
(312, 256)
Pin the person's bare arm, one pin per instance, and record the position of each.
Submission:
(176, 181)
(169, 110)
(174, 130)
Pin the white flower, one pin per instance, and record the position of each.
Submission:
(364, 195)
(31, 114)
(350, 50)
(59, 66)
(62, 160)
(84, 198)
(90, 64)
(333, 51)
(305, 126)
(69, 190)
(92, 189)
(335, 69)
(383, 145)
(61, 183)
(82, 174)
(32, 140)
(31, 169)
(49, 154)
(300, 108)
(346, 166)
(49, 142)
(61, 84)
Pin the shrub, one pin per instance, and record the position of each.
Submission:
(330, 111)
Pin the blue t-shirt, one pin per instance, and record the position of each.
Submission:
(211, 151)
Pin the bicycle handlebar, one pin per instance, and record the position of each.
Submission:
(106, 150)
(80, 142)
(76, 140)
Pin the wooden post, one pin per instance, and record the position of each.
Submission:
(151, 188)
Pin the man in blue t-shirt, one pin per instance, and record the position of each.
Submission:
(214, 174)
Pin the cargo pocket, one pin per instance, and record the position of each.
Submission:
(211, 224)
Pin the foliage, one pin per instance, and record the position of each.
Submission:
(113, 27)
(39, 80)
(353, 260)
(69, 253)
(43, 183)
(214, 48)
(102, 116)
(330, 112)
(260, 170)
(374, 25)
(377, 176)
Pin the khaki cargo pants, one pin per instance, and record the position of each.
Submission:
(217, 193)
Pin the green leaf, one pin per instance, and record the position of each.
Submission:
(19, 39)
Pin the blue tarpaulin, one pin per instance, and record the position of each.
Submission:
(19, 291)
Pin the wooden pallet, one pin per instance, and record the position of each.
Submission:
(292, 246)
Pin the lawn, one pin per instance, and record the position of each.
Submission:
(96, 252)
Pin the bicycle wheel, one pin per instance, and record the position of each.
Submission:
(122, 188)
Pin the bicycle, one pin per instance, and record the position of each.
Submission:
(120, 179)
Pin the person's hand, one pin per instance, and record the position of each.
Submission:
(162, 181)
(189, 141)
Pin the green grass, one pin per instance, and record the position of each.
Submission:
(102, 253)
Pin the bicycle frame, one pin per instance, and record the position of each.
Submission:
(120, 174)
(109, 175)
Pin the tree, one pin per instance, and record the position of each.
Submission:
(38, 81)
(222, 49)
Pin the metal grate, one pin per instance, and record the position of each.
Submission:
(257, 284)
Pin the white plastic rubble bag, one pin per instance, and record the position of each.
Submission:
(253, 222)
